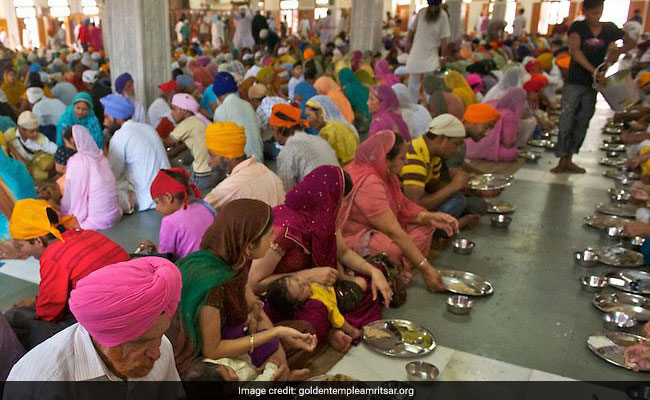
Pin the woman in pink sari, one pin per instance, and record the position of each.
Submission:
(377, 217)
(383, 104)
(309, 246)
(500, 144)
(383, 74)
(90, 186)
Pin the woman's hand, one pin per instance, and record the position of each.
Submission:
(432, 279)
(379, 283)
(637, 357)
(297, 339)
(323, 275)
(440, 220)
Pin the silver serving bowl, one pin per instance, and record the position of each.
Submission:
(619, 198)
(421, 371)
(532, 157)
(613, 232)
(500, 221)
(586, 258)
(636, 243)
(593, 284)
(547, 135)
(459, 304)
(612, 154)
(618, 320)
(463, 247)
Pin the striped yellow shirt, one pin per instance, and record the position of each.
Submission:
(420, 168)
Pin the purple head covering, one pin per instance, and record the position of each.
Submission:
(387, 117)
(224, 83)
(121, 81)
(382, 72)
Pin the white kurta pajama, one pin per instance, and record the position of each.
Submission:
(423, 57)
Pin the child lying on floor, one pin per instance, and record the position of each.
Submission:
(291, 292)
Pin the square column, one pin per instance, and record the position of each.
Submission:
(138, 41)
(366, 25)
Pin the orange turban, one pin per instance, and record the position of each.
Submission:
(286, 116)
(644, 79)
(308, 54)
(225, 139)
(563, 60)
(29, 220)
(481, 114)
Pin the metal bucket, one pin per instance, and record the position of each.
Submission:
(620, 91)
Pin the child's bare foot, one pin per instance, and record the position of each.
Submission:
(340, 341)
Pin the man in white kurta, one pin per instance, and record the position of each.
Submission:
(243, 28)
(217, 30)
(136, 151)
(428, 37)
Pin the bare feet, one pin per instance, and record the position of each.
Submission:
(575, 169)
(340, 341)
(562, 166)
(469, 221)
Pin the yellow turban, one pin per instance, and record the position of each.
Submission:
(225, 139)
(644, 79)
(546, 60)
(29, 220)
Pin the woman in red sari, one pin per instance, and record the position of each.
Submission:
(308, 245)
(378, 218)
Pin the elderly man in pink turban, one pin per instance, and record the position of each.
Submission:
(123, 311)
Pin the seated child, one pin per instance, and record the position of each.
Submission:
(185, 216)
(291, 292)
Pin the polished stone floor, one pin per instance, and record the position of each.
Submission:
(534, 326)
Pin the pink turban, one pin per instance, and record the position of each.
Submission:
(118, 303)
(187, 102)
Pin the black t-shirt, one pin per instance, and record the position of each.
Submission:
(593, 47)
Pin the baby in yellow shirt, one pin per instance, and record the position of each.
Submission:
(289, 293)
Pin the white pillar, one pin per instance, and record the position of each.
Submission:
(9, 12)
(454, 8)
(138, 43)
(366, 25)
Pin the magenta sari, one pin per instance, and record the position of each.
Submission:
(308, 217)
(383, 74)
(500, 144)
(388, 117)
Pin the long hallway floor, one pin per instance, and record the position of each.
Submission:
(534, 326)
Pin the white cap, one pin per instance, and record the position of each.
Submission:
(89, 76)
(34, 94)
(447, 125)
(27, 120)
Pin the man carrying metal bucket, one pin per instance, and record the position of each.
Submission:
(591, 43)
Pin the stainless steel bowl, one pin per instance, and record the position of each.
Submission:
(612, 154)
(636, 242)
(613, 232)
(459, 304)
(500, 221)
(586, 258)
(593, 284)
(618, 320)
(532, 157)
(463, 247)
(421, 371)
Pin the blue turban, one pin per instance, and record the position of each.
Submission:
(224, 83)
(86, 21)
(35, 67)
(121, 81)
(117, 106)
(184, 81)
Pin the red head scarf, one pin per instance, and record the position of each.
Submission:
(164, 183)
(309, 213)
